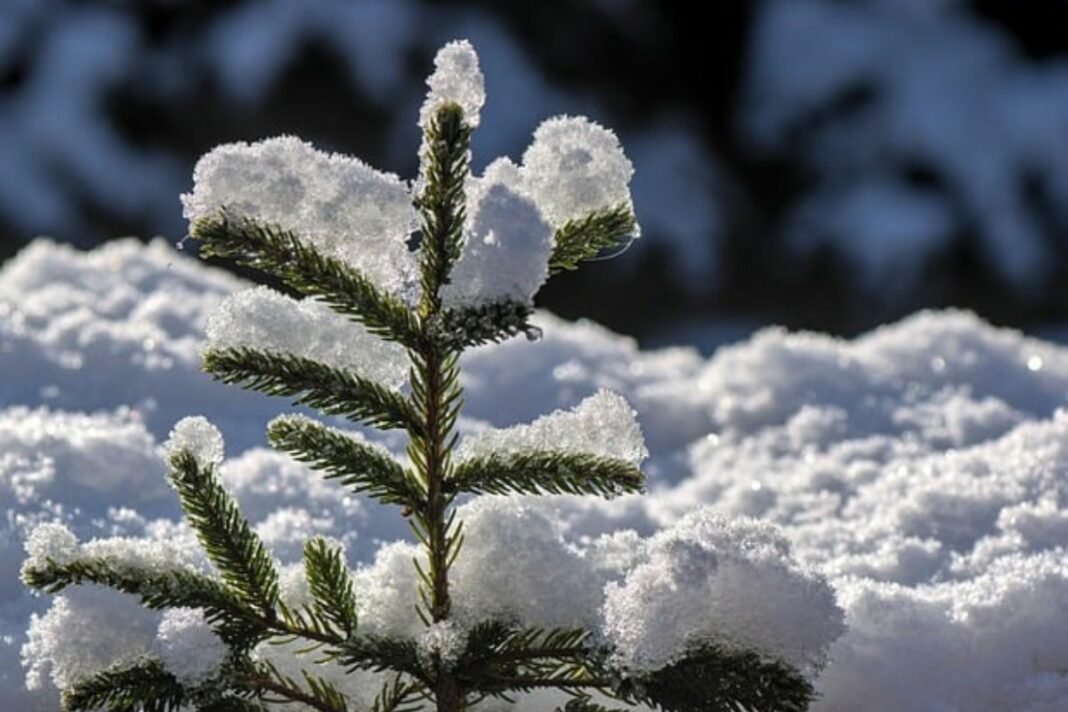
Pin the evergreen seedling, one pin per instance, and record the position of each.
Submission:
(398, 283)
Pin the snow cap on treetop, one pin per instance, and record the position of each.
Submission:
(456, 78)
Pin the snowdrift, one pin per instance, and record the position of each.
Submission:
(922, 469)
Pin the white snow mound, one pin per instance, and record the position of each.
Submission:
(921, 470)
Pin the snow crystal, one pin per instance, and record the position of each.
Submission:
(261, 318)
(194, 434)
(574, 167)
(84, 631)
(603, 425)
(50, 541)
(444, 640)
(341, 205)
(730, 582)
(515, 565)
(188, 646)
(456, 78)
(507, 244)
(387, 592)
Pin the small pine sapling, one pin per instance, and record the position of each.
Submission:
(398, 282)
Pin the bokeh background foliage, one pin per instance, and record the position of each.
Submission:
(817, 163)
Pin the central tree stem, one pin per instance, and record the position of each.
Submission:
(437, 433)
(435, 475)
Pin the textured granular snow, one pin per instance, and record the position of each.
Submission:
(516, 565)
(730, 582)
(575, 166)
(51, 541)
(188, 646)
(456, 78)
(507, 247)
(603, 424)
(264, 319)
(198, 437)
(443, 641)
(340, 204)
(921, 469)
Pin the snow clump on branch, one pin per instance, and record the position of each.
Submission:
(261, 318)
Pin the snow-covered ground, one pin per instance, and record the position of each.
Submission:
(921, 468)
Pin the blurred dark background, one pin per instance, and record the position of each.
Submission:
(816, 163)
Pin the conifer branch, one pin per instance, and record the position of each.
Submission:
(238, 626)
(334, 391)
(244, 563)
(141, 685)
(585, 704)
(316, 692)
(397, 696)
(546, 472)
(330, 584)
(282, 254)
(712, 677)
(586, 238)
(461, 328)
(379, 654)
(442, 204)
(362, 467)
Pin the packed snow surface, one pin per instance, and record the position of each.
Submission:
(917, 476)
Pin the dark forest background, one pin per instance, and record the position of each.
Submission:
(815, 163)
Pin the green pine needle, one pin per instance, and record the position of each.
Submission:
(362, 467)
(461, 328)
(282, 254)
(244, 563)
(547, 472)
(442, 204)
(332, 390)
(586, 238)
(142, 686)
(714, 678)
(330, 584)
(156, 589)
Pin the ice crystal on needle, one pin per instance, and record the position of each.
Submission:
(603, 424)
(347, 209)
(262, 318)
